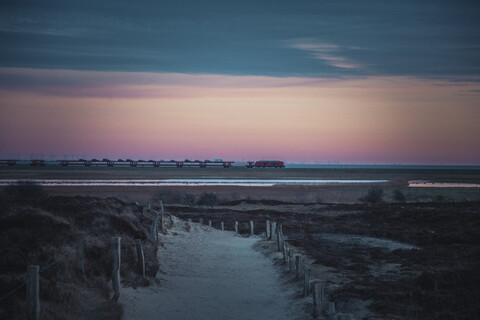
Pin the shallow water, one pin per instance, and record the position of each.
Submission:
(428, 184)
(192, 182)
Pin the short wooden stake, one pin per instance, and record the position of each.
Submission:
(200, 220)
(80, 240)
(162, 218)
(209, 223)
(116, 267)
(318, 295)
(306, 282)
(252, 231)
(285, 252)
(33, 291)
(155, 226)
(267, 229)
(236, 226)
(297, 258)
(291, 260)
(279, 238)
(222, 226)
(140, 257)
(273, 228)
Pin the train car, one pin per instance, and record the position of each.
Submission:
(9, 163)
(266, 164)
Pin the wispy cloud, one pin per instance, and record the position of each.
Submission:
(329, 53)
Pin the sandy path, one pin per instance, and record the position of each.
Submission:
(211, 274)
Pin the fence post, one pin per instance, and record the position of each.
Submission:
(222, 226)
(140, 257)
(162, 222)
(319, 303)
(200, 220)
(33, 289)
(116, 267)
(306, 282)
(291, 261)
(316, 295)
(251, 228)
(155, 227)
(273, 227)
(236, 226)
(297, 265)
(279, 237)
(189, 219)
(285, 252)
(209, 223)
(80, 240)
(267, 228)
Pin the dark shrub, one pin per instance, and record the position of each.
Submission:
(208, 199)
(374, 195)
(189, 200)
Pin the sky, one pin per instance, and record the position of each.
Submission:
(359, 82)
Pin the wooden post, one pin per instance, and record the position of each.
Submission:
(80, 240)
(318, 294)
(316, 299)
(33, 290)
(273, 227)
(285, 252)
(291, 261)
(279, 238)
(200, 220)
(155, 226)
(297, 266)
(162, 218)
(267, 229)
(222, 226)
(300, 267)
(306, 282)
(189, 219)
(236, 226)
(252, 231)
(116, 268)
(209, 223)
(140, 257)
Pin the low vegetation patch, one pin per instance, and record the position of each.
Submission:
(36, 229)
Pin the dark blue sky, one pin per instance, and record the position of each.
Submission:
(277, 38)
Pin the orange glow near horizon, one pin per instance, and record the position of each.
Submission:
(354, 120)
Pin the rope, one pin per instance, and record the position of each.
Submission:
(47, 266)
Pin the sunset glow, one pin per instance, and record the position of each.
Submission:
(163, 116)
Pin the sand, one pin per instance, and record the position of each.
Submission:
(211, 274)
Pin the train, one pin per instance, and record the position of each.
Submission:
(219, 163)
(265, 164)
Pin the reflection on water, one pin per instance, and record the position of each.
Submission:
(191, 182)
(428, 184)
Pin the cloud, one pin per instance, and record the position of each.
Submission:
(327, 52)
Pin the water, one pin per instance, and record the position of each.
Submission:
(193, 182)
(428, 184)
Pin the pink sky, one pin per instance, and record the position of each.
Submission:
(177, 116)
